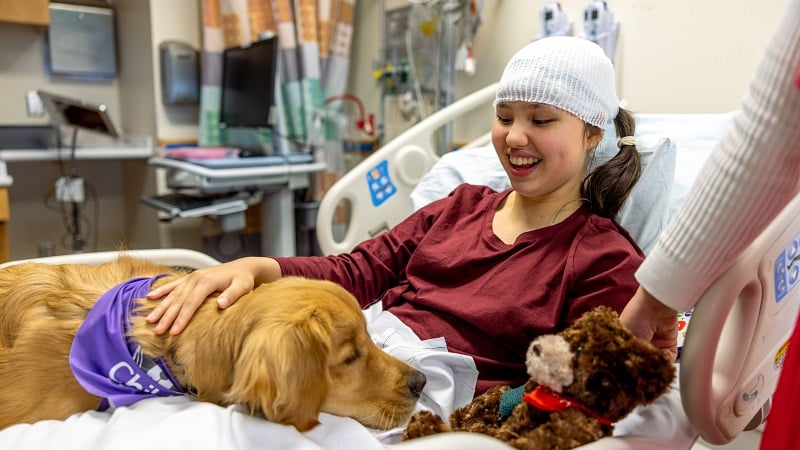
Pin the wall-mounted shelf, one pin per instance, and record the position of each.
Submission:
(52, 154)
(125, 150)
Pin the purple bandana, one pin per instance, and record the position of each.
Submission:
(110, 365)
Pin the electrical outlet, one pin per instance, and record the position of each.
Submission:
(69, 189)
(33, 104)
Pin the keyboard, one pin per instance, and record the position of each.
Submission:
(184, 205)
(254, 161)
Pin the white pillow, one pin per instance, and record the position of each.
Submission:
(474, 165)
(644, 214)
(646, 211)
(695, 135)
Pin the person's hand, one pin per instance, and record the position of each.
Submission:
(651, 320)
(185, 295)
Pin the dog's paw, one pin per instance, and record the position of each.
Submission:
(424, 423)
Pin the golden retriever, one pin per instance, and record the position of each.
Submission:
(288, 350)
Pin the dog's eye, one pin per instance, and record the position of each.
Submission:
(353, 358)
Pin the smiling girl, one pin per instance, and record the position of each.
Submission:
(486, 272)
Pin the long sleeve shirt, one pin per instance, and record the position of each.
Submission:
(751, 174)
(444, 272)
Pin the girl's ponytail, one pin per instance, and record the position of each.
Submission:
(609, 185)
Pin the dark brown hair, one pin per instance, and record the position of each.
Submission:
(608, 185)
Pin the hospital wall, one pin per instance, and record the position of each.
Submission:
(673, 56)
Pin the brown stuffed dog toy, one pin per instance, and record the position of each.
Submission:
(582, 380)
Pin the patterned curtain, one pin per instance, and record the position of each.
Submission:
(314, 38)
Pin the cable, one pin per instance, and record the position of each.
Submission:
(297, 142)
(364, 123)
(78, 241)
(73, 218)
(52, 204)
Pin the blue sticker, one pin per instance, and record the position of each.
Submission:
(787, 269)
(379, 183)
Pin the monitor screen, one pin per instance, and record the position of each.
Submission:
(77, 113)
(248, 84)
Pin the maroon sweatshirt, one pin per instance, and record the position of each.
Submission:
(443, 272)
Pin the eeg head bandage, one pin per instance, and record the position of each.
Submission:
(568, 73)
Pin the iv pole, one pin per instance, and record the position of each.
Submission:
(452, 13)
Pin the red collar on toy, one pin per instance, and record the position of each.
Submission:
(546, 399)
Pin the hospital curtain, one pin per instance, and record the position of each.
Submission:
(314, 38)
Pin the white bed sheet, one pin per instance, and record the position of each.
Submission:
(184, 423)
(181, 423)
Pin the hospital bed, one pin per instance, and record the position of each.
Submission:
(740, 327)
(742, 366)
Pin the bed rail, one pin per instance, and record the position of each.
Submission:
(377, 191)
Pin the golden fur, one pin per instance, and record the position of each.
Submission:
(288, 350)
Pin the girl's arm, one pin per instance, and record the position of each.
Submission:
(186, 294)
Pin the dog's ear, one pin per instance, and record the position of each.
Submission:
(282, 368)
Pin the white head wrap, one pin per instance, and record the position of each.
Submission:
(569, 73)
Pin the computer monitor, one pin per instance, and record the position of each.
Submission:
(248, 84)
(78, 113)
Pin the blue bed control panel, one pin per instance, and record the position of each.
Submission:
(787, 269)
(380, 185)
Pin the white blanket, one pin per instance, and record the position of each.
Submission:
(182, 423)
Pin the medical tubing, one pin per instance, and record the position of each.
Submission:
(412, 68)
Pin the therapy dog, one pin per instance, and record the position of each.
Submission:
(288, 350)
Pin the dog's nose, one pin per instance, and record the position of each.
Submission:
(416, 383)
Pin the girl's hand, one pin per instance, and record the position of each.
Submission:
(185, 295)
(649, 319)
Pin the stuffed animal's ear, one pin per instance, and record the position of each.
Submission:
(614, 370)
(282, 369)
(652, 368)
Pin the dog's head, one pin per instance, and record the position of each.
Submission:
(292, 349)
